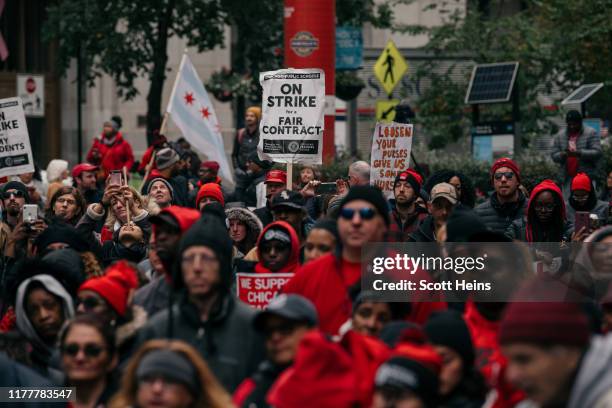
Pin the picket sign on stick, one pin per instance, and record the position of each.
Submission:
(15, 150)
(127, 204)
(391, 147)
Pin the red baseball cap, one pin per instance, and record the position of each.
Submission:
(276, 176)
(79, 168)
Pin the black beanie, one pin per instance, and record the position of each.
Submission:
(372, 195)
(447, 328)
(401, 373)
(211, 232)
(411, 177)
(60, 232)
(19, 186)
(462, 224)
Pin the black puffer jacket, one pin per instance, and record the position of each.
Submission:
(498, 216)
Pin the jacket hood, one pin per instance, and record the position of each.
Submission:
(23, 322)
(546, 185)
(244, 215)
(185, 217)
(594, 377)
(294, 257)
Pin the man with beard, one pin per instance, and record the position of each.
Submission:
(14, 196)
(405, 213)
(84, 179)
(167, 162)
(507, 203)
(168, 226)
(111, 151)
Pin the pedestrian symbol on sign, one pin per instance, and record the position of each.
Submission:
(390, 67)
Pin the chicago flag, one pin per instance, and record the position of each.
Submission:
(191, 110)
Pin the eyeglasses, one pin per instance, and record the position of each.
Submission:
(365, 213)
(88, 303)
(17, 193)
(545, 207)
(507, 174)
(205, 259)
(91, 350)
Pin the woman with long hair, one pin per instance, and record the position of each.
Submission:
(169, 373)
(89, 359)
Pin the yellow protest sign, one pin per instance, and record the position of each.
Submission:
(385, 110)
(390, 67)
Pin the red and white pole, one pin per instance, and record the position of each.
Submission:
(310, 42)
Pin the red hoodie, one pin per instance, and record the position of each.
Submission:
(113, 157)
(294, 258)
(546, 185)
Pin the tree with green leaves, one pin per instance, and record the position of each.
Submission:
(128, 39)
(559, 45)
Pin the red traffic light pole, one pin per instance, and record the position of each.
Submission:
(310, 42)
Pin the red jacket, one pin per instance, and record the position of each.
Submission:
(326, 282)
(113, 157)
(146, 158)
(489, 358)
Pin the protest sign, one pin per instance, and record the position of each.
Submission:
(391, 145)
(291, 128)
(258, 289)
(15, 149)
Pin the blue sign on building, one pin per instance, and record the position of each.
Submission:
(349, 48)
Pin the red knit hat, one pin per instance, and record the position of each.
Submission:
(506, 162)
(581, 182)
(545, 323)
(115, 286)
(212, 165)
(212, 190)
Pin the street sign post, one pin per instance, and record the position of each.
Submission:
(390, 67)
(385, 110)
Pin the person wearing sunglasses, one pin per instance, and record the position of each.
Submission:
(206, 313)
(327, 281)
(89, 359)
(321, 240)
(507, 203)
(14, 196)
(442, 200)
(108, 298)
(284, 323)
(169, 374)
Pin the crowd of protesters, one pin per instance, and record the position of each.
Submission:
(129, 294)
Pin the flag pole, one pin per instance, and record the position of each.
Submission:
(162, 129)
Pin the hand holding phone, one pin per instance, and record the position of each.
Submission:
(582, 220)
(29, 213)
(116, 178)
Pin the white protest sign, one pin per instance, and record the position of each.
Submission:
(391, 145)
(15, 150)
(31, 90)
(293, 108)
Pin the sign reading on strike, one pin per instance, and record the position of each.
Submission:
(258, 289)
(15, 150)
(391, 146)
(291, 128)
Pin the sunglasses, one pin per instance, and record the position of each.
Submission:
(17, 193)
(364, 213)
(88, 303)
(507, 174)
(90, 349)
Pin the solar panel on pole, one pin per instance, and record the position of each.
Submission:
(491, 83)
(581, 94)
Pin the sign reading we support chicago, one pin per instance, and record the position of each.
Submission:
(291, 127)
(258, 289)
(15, 150)
(391, 145)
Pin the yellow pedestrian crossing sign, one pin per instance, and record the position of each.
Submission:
(385, 110)
(390, 67)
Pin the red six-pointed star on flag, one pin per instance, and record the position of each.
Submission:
(189, 98)
(205, 112)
